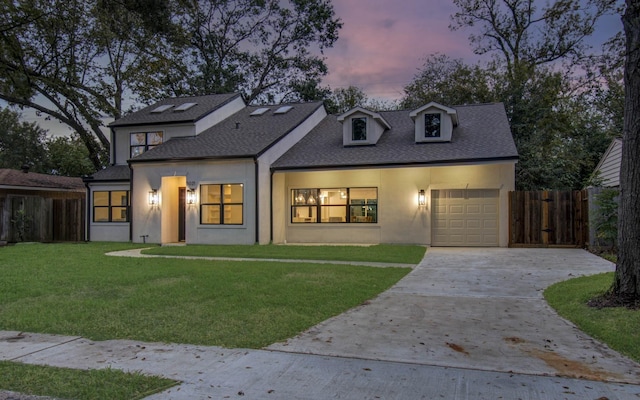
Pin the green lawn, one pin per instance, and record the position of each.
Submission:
(67, 383)
(617, 327)
(74, 289)
(403, 254)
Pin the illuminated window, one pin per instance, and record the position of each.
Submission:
(111, 206)
(334, 205)
(221, 204)
(143, 141)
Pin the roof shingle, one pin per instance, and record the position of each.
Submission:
(12, 177)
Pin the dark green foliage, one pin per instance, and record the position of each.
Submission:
(605, 217)
(21, 143)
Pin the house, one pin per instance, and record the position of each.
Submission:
(212, 169)
(608, 169)
(40, 207)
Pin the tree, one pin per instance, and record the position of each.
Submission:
(21, 143)
(259, 47)
(536, 54)
(78, 61)
(68, 156)
(626, 287)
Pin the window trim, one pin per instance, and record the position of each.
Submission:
(221, 204)
(110, 207)
(317, 206)
(146, 146)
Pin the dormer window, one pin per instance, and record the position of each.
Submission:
(432, 124)
(359, 129)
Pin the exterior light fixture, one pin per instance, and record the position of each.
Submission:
(422, 199)
(191, 196)
(153, 197)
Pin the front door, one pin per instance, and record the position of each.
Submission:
(182, 203)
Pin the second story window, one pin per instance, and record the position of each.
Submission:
(432, 123)
(143, 141)
(359, 128)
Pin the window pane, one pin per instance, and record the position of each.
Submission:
(304, 196)
(432, 125)
(154, 138)
(364, 195)
(233, 193)
(304, 214)
(100, 198)
(210, 194)
(118, 214)
(138, 139)
(210, 214)
(233, 214)
(333, 213)
(136, 151)
(363, 213)
(119, 198)
(359, 128)
(101, 214)
(333, 196)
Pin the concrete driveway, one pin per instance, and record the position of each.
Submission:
(479, 309)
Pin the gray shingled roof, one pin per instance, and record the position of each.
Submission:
(483, 134)
(204, 106)
(252, 136)
(112, 173)
(12, 177)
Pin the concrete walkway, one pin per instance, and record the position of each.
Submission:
(465, 324)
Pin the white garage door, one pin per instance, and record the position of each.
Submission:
(464, 217)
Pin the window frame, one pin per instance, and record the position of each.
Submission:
(147, 145)
(315, 208)
(110, 206)
(204, 203)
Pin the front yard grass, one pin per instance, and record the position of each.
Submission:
(617, 327)
(67, 383)
(75, 289)
(403, 254)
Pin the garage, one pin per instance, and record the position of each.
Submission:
(464, 217)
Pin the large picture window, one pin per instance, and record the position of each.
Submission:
(143, 141)
(111, 206)
(334, 205)
(221, 204)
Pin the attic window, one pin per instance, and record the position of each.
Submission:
(162, 108)
(184, 107)
(359, 129)
(432, 123)
(283, 110)
(259, 111)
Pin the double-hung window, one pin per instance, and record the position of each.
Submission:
(143, 141)
(111, 206)
(334, 205)
(222, 204)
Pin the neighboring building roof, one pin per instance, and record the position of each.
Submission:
(609, 165)
(483, 134)
(15, 178)
(195, 108)
(112, 173)
(240, 135)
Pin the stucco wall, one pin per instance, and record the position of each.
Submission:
(122, 138)
(400, 218)
(106, 231)
(161, 222)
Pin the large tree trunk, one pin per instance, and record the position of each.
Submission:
(627, 278)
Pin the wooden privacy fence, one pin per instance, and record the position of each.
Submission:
(40, 219)
(548, 219)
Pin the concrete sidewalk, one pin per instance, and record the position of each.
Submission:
(464, 324)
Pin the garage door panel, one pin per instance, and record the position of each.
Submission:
(463, 217)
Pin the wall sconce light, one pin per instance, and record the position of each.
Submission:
(153, 197)
(422, 198)
(191, 196)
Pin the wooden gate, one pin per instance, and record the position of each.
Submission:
(548, 219)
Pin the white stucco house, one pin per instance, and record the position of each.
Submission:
(212, 170)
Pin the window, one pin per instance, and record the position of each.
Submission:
(359, 129)
(336, 205)
(111, 206)
(221, 204)
(143, 141)
(432, 125)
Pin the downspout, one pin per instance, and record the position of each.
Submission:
(130, 203)
(257, 181)
(112, 144)
(271, 206)
(87, 224)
